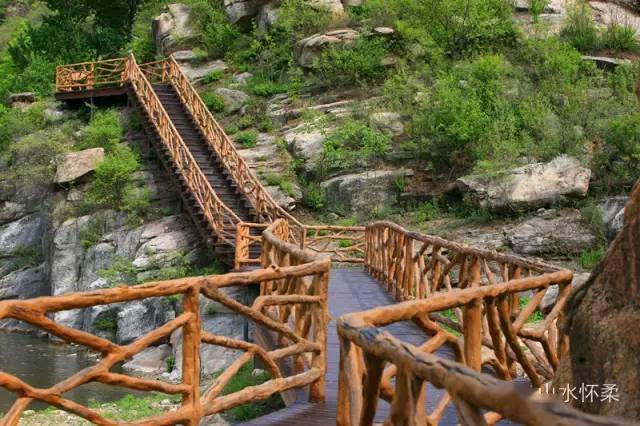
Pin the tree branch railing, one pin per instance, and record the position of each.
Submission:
(483, 305)
(92, 75)
(293, 304)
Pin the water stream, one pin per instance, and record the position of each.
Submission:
(42, 363)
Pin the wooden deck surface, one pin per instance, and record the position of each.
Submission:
(352, 290)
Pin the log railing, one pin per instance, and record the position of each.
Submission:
(246, 180)
(292, 304)
(92, 75)
(483, 305)
(344, 244)
(220, 218)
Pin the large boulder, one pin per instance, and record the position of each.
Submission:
(135, 319)
(24, 283)
(234, 100)
(21, 100)
(307, 145)
(173, 30)
(387, 122)
(552, 233)
(364, 191)
(334, 7)
(77, 164)
(528, 187)
(197, 72)
(310, 48)
(267, 16)
(602, 320)
(242, 12)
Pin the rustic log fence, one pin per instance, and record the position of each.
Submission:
(292, 304)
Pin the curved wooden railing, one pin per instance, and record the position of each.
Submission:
(92, 75)
(293, 304)
(220, 217)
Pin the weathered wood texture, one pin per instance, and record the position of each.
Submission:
(293, 304)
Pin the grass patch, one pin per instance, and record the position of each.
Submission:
(26, 257)
(590, 258)
(247, 138)
(536, 316)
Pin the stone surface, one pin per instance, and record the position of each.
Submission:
(10, 211)
(172, 30)
(136, 319)
(196, 72)
(213, 358)
(283, 199)
(242, 12)
(77, 164)
(602, 320)
(335, 7)
(306, 144)
(552, 233)
(234, 100)
(24, 283)
(387, 122)
(549, 299)
(242, 78)
(267, 16)
(528, 187)
(151, 361)
(21, 99)
(363, 191)
(612, 209)
(310, 48)
(24, 234)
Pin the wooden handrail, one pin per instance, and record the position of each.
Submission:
(215, 211)
(302, 302)
(218, 140)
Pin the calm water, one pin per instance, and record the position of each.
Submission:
(41, 363)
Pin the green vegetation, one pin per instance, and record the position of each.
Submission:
(589, 259)
(536, 316)
(354, 143)
(243, 379)
(131, 408)
(247, 138)
(171, 363)
(104, 130)
(273, 179)
(213, 101)
(26, 257)
(314, 196)
(106, 322)
(213, 76)
(112, 180)
(93, 233)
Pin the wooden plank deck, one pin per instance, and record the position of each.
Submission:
(352, 290)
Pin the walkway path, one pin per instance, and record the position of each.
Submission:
(351, 290)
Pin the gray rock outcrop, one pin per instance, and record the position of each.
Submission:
(528, 187)
(234, 100)
(612, 209)
(363, 191)
(173, 30)
(310, 48)
(150, 362)
(552, 233)
(74, 165)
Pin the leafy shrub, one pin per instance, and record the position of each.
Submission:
(92, 235)
(213, 101)
(218, 34)
(427, 211)
(112, 179)
(618, 161)
(105, 323)
(213, 76)
(121, 271)
(261, 86)
(29, 158)
(171, 363)
(104, 130)
(314, 196)
(353, 144)
(247, 138)
(137, 203)
(580, 29)
(619, 37)
(349, 65)
(15, 123)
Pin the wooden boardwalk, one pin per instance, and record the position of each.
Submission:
(351, 290)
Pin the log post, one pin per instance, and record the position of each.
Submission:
(191, 355)
(472, 322)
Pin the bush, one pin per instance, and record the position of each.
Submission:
(213, 101)
(618, 162)
(218, 34)
(589, 259)
(351, 145)
(247, 138)
(314, 196)
(15, 123)
(619, 37)
(261, 86)
(213, 76)
(350, 65)
(29, 158)
(104, 130)
(112, 179)
(580, 30)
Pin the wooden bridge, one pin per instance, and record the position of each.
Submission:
(418, 330)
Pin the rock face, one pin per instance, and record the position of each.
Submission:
(310, 48)
(172, 30)
(554, 232)
(151, 361)
(19, 100)
(196, 72)
(602, 324)
(24, 234)
(77, 164)
(528, 187)
(612, 210)
(234, 100)
(241, 12)
(307, 145)
(363, 191)
(387, 122)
